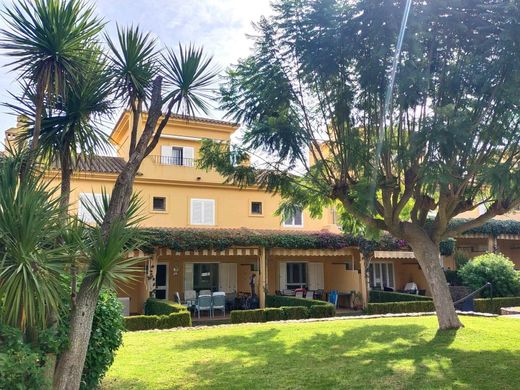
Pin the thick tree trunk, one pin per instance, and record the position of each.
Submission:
(70, 364)
(427, 254)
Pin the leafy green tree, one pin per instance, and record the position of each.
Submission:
(312, 96)
(494, 268)
(47, 40)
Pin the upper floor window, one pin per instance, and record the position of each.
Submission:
(159, 203)
(256, 208)
(296, 220)
(177, 155)
(202, 212)
(87, 204)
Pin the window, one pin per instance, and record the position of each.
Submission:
(202, 212)
(159, 203)
(296, 220)
(205, 276)
(87, 203)
(296, 275)
(177, 155)
(381, 275)
(256, 208)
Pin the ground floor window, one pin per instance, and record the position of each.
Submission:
(296, 275)
(205, 276)
(381, 275)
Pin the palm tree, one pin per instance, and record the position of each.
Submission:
(134, 65)
(31, 268)
(189, 76)
(47, 41)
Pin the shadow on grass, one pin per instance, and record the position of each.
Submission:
(376, 356)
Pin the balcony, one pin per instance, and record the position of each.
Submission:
(173, 160)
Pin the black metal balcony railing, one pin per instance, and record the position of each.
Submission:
(172, 160)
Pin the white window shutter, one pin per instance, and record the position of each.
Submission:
(188, 154)
(196, 212)
(283, 275)
(166, 155)
(209, 212)
(188, 276)
(316, 276)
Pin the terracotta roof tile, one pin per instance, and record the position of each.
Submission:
(97, 164)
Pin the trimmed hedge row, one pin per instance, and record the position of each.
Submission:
(282, 313)
(378, 296)
(488, 305)
(282, 300)
(173, 320)
(400, 307)
(159, 307)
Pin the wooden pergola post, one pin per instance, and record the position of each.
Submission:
(262, 271)
(363, 280)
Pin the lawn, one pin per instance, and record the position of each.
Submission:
(394, 353)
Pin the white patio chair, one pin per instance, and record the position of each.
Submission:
(298, 294)
(204, 304)
(205, 292)
(177, 295)
(309, 295)
(219, 302)
(190, 297)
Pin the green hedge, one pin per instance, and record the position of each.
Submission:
(322, 311)
(378, 296)
(400, 307)
(488, 305)
(169, 321)
(295, 312)
(273, 314)
(240, 316)
(158, 307)
(282, 300)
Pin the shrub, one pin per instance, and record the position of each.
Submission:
(240, 316)
(158, 307)
(378, 296)
(295, 312)
(493, 306)
(174, 320)
(400, 307)
(273, 314)
(453, 278)
(281, 300)
(494, 268)
(322, 311)
(105, 339)
(20, 366)
(133, 323)
(461, 258)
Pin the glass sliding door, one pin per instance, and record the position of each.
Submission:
(205, 276)
(296, 275)
(381, 275)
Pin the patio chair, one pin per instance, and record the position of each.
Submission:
(190, 297)
(309, 295)
(205, 292)
(333, 298)
(298, 293)
(219, 302)
(178, 298)
(204, 304)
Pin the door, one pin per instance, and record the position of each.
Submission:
(161, 281)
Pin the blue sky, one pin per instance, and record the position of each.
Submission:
(220, 26)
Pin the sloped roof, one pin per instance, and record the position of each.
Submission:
(97, 164)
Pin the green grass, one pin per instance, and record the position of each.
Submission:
(394, 353)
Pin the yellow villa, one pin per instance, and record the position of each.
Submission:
(233, 233)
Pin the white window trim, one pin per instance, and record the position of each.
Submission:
(393, 272)
(191, 212)
(294, 226)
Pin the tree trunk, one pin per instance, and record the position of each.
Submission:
(70, 364)
(427, 254)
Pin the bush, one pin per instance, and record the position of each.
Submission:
(378, 296)
(158, 307)
(105, 339)
(322, 311)
(281, 300)
(241, 316)
(173, 320)
(400, 307)
(453, 278)
(494, 305)
(273, 314)
(295, 312)
(461, 259)
(20, 365)
(494, 268)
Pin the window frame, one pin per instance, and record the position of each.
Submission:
(381, 270)
(165, 210)
(214, 222)
(293, 225)
(302, 273)
(253, 214)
